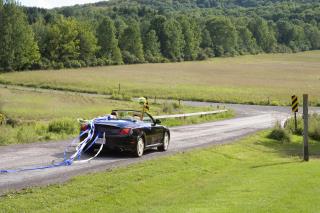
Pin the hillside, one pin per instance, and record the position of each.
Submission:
(148, 31)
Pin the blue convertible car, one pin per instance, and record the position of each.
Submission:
(129, 130)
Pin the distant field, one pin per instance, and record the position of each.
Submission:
(261, 79)
(255, 175)
(32, 112)
(37, 106)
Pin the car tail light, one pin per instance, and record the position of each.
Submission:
(126, 131)
(84, 127)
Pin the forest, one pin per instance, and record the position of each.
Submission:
(149, 31)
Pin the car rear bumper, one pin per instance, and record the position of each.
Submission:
(119, 143)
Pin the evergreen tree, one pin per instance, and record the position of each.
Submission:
(18, 49)
(106, 34)
(174, 42)
(131, 44)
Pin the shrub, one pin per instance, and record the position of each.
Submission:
(65, 126)
(289, 126)
(279, 134)
(314, 126)
(2, 119)
(26, 134)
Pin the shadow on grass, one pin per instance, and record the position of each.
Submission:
(107, 154)
(293, 149)
(273, 164)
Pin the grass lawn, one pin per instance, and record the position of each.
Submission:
(255, 175)
(261, 79)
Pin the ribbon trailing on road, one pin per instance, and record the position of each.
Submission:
(81, 147)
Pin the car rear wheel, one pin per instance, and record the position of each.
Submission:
(140, 147)
(165, 144)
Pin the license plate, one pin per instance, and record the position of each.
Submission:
(102, 139)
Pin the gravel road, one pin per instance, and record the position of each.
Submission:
(249, 120)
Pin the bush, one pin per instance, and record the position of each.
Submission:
(26, 134)
(64, 126)
(2, 119)
(314, 126)
(289, 126)
(279, 134)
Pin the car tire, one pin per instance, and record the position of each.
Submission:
(165, 143)
(139, 148)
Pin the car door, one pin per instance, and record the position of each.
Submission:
(156, 130)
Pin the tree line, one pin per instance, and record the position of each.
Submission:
(32, 38)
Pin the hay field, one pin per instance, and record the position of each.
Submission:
(261, 79)
(46, 106)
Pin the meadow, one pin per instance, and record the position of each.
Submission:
(268, 79)
(42, 116)
(257, 174)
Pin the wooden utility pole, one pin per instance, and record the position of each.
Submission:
(305, 129)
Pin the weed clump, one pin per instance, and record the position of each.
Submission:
(280, 134)
(314, 126)
(170, 108)
(64, 126)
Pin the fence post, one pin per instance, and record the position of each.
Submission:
(305, 129)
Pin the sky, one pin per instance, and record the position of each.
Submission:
(54, 3)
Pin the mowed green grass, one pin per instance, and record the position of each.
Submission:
(255, 175)
(261, 79)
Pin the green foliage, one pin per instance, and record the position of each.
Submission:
(192, 36)
(223, 35)
(255, 174)
(263, 34)
(174, 42)
(130, 42)
(314, 126)
(35, 132)
(2, 119)
(138, 31)
(18, 49)
(88, 44)
(63, 126)
(280, 134)
(290, 126)
(106, 34)
(246, 41)
(152, 47)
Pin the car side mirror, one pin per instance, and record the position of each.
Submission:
(157, 121)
